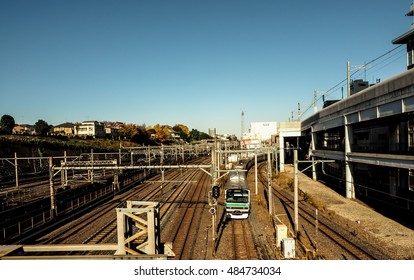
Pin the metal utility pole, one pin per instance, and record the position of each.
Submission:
(276, 161)
(213, 183)
(255, 171)
(349, 79)
(52, 190)
(64, 173)
(269, 181)
(16, 170)
(295, 186)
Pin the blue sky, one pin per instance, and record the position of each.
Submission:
(197, 63)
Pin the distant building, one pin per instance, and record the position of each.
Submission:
(91, 129)
(112, 132)
(328, 103)
(67, 129)
(24, 129)
(174, 135)
(263, 130)
(250, 141)
(358, 85)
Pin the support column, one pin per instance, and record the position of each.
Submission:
(121, 229)
(282, 153)
(349, 183)
(269, 181)
(16, 171)
(255, 172)
(152, 241)
(313, 147)
(53, 210)
(65, 172)
(276, 160)
(296, 192)
(115, 183)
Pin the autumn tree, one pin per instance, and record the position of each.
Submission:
(162, 132)
(134, 133)
(126, 131)
(182, 130)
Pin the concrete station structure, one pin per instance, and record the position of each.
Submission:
(369, 134)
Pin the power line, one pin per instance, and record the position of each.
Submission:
(379, 57)
(343, 82)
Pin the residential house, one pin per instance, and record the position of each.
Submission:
(90, 129)
(24, 129)
(67, 129)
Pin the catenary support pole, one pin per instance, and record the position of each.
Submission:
(16, 170)
(269, 181)
(295, 160)
(255, 172)
(53, 211)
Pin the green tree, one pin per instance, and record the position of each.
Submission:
(196, 135)
(204, 135)
(7, 124)
(42, 127)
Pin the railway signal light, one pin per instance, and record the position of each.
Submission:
(216, 192)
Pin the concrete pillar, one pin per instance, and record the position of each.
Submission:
(151, 247)
(282, 153)
(313, 147)
(349, 184)
(120, 233)
(53, 207)
(393, 181)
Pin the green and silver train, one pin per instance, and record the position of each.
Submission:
(237, 194)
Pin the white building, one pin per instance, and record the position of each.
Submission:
(263, 130)
(90, 128)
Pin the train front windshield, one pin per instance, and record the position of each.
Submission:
(241, 196)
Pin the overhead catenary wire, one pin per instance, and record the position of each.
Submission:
(374, 62)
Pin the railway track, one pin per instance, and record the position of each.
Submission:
(191, 211)
(175, 192)
(240, 240)
(315, 229)
(146, 191)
